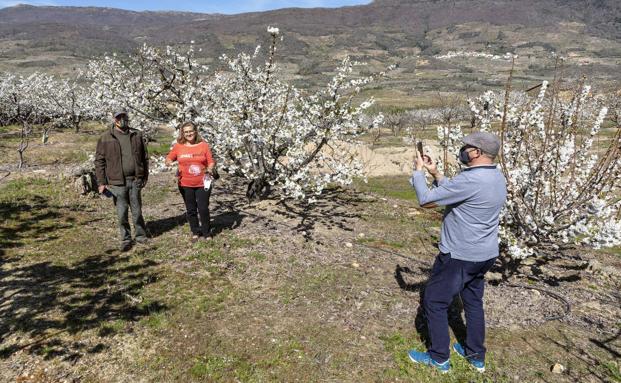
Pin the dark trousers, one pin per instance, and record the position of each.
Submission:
(125, 197)
(197, 204)
(450, 277)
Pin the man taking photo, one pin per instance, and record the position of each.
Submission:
(122, 168)
(468, 246)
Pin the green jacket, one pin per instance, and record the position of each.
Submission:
(108, 167)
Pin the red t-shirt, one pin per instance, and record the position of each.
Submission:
(193, 160)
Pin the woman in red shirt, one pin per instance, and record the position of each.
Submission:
(195, 160)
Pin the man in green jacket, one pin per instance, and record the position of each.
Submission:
(122, 168)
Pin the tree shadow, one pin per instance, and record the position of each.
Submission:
(608, 344)
(334, 208)
(415, 281)
(44, 302)
(594, 365)
(42, 220)
(568, 267)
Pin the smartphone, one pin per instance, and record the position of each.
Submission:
(419, 147)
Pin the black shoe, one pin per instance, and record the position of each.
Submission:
(125, 246)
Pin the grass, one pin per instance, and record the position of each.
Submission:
(249, 305)
(383, 243)
(256, 255)
(249, 368)
(160, 148)
(397, 187)
(398, 345)
(612, 369)
(616, 251)
(111, 328)
(33, 211)
(63, 147)
(25, 189)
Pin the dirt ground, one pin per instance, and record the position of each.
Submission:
(284, 292)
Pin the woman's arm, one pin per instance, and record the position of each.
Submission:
(211, 164)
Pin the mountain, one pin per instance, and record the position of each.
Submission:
(410, 33)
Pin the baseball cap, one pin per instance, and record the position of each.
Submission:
(487, 142)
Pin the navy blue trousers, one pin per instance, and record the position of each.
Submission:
(450, 277)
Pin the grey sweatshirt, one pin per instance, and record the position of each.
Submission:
(473, 201)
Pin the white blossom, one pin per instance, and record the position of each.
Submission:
(560, 192)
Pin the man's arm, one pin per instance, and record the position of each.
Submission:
(145, 159)
(447, 192)
(100, 166)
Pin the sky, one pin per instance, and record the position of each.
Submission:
(206, 6)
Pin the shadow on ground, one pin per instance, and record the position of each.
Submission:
(43, 302)
(334, 208)
(42, 221)
(164, 225)
(598, 364)
(403, 275)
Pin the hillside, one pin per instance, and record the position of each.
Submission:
(408, 33)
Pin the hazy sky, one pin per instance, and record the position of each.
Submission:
(206, 6)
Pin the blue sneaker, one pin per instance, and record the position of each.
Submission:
(478, 365)
(425, 358)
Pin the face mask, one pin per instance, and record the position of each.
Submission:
(464, 157)
(123, 124)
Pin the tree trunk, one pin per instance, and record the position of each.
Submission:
(23, 145)
(76, 124)
(509, 266)
(258, 189)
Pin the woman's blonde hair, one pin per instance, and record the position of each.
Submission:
(181, 138)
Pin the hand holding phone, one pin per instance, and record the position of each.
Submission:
(419, 147)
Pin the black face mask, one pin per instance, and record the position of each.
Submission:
(124, 124)
(464, 156)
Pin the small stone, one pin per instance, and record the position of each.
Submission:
(529, 261)
(355, 265)
(361, 235)
(395, 206)
(557, 368)
(348, 244)
(594, 265)
(494, 277)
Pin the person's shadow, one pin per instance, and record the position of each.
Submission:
(158, 227)
(415, 281)
(227, 220)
